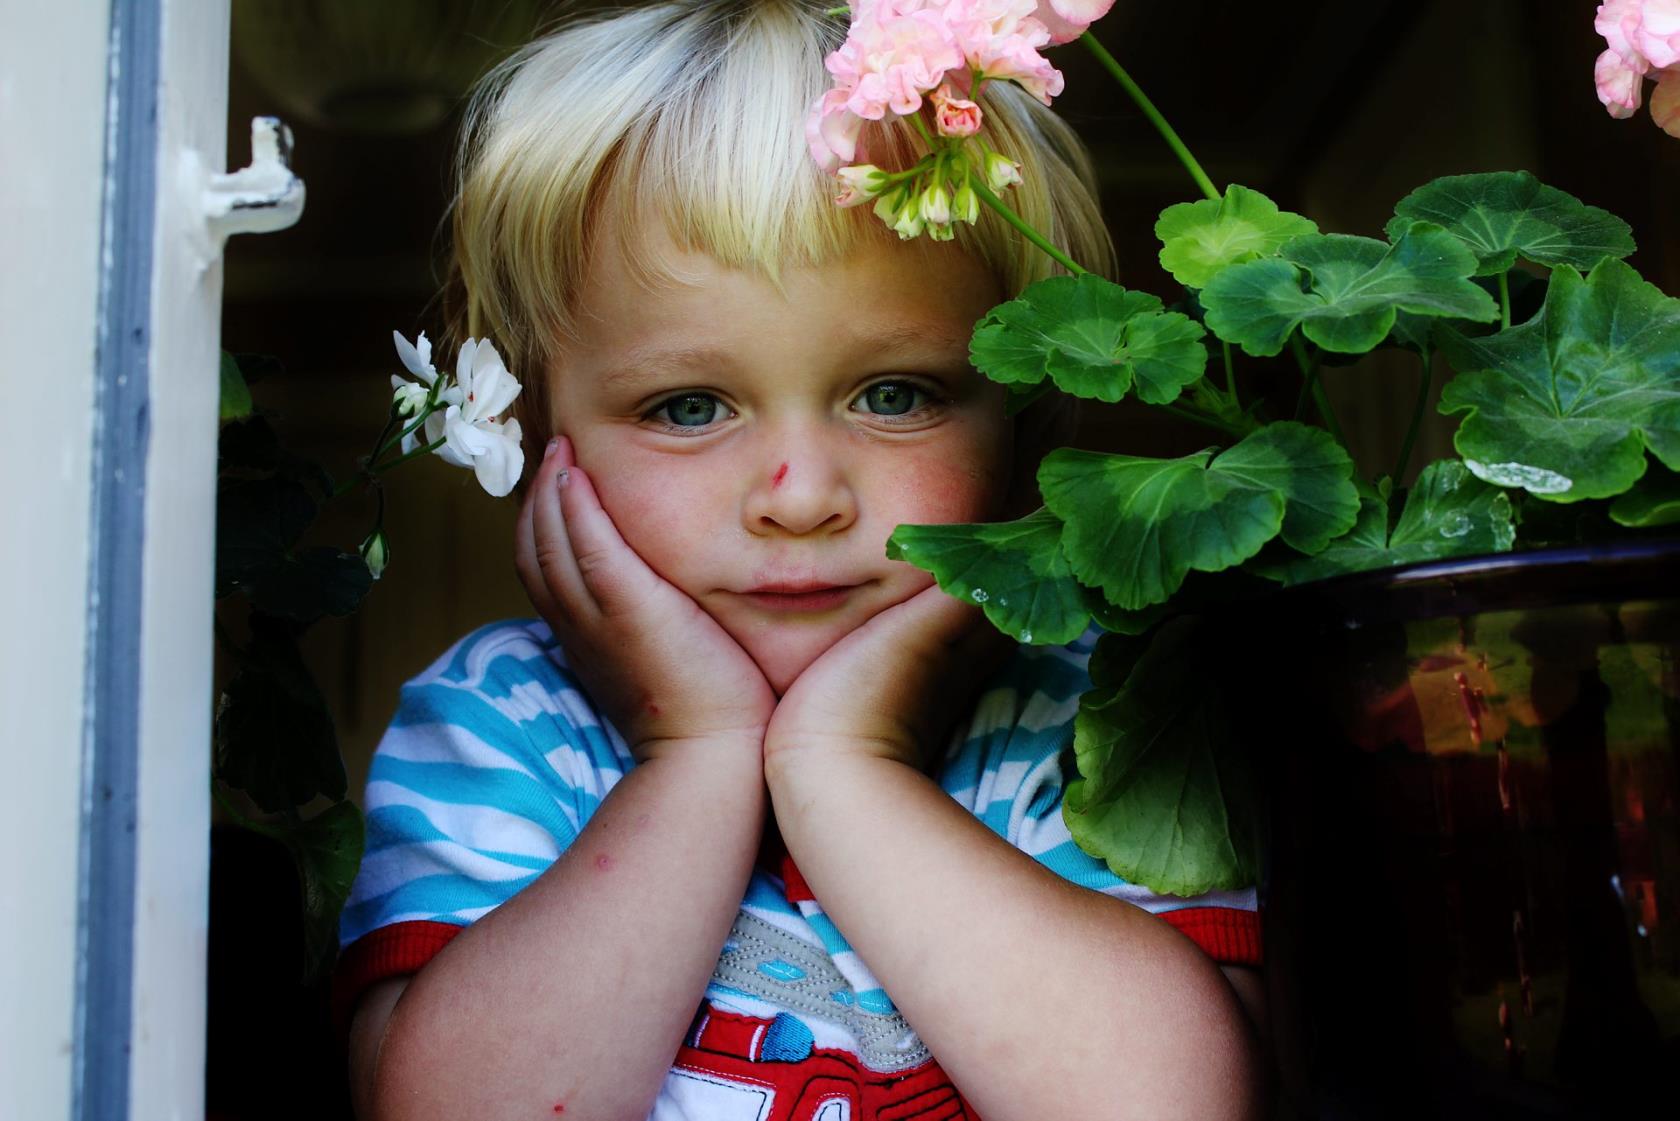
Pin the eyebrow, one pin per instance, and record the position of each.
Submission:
(653, 360)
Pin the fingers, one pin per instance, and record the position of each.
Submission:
(555, 576)
(613, 575)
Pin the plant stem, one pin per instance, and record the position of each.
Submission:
(1505, 299)
(1230, 380)
(1424, 382)
(425, 449)
(1014, 219)
(1311, 387)
(1148, 107)
(1201, 418)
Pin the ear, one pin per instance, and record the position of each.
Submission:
(1046, 424)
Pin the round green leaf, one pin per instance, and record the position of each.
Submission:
(1135, 527)
(236, 401)
(1198, 239)
(1566, 405)
(1653, 501)
(1166, 794)
(1015, 571)
(1343, 291)
(1448, 513)
(1092, 338)
(327, 850)
(1309, 469)
(274, 736)
(1502, 215)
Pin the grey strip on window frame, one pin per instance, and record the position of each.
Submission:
(121, 437)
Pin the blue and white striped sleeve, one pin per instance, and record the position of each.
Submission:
(492, 765)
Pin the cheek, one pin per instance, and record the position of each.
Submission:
(964, 485)
(662, 515)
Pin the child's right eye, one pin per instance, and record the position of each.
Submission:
(688, 410)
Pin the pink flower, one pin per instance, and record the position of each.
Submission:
(1000, 39)
(859, 183)
(1618, 22)
(952, 115)
(1619, 85)
(1068, 19)
(1665, 102)
(1658, 34)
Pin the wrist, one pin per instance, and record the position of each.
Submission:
(719, 748)
(807, 760)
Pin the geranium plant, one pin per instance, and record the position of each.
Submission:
(274, 735)
(1567, 391)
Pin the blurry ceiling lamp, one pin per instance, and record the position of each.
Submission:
(376, 66)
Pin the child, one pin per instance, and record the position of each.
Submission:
(669, 854)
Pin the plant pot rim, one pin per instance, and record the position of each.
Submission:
(1609, 571)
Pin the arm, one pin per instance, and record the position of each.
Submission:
(1038, 997)
(577, 991)
(1032, 992)
(573, 995)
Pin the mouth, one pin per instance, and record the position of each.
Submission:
(799, 596)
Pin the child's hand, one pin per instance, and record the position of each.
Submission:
(892, 687)
(661, 668)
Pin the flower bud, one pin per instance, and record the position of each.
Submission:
(936, 205)
(859, 183)
(375, 553)
(953, 115)
(408, 397)
(1001, 171)
(965, 205)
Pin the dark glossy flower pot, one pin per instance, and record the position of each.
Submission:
(1471, 895)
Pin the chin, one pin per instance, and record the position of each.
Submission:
(783, 657)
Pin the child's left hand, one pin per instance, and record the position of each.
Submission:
(891, 688)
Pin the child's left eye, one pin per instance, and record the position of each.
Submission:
(891, 398)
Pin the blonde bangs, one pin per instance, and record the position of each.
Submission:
(692, 113)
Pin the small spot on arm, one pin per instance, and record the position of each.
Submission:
(776, 480)
(653, 709)
(559, 1107)
(603, 863)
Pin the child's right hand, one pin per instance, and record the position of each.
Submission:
(664, 671)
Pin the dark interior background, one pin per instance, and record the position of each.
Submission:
(1335, 109)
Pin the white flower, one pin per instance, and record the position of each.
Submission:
(410, 397)
(473, 437)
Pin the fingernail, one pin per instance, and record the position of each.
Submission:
(565, 477)
(553, 444)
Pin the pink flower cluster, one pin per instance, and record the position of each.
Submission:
(1644, 41)
(898, 51)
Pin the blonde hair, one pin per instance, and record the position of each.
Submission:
(693, 112)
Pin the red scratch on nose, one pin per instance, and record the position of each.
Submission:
(781, 473)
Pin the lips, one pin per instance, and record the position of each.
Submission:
(799, 595)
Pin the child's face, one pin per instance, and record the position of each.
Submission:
(757, 449)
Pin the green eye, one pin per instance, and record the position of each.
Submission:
(691, 410)
(890, 398)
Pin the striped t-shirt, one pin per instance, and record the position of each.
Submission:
(494, 763)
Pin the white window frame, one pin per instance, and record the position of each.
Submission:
(111, 116)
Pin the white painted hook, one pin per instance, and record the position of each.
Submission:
(261, 198)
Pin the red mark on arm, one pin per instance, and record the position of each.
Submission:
(559, 1107)
(776, 480)
(603, 862)
(653, 709)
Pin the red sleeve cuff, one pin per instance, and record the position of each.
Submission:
(1227, 935)
(391, 951)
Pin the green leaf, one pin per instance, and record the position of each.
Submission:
(236, 396)
(1015, 571)
(1091, 337)
(1198, 239)
(327, 850)
(257, 520)
(1653, 501)
(1312, 472)
(1166, 796)
(274, 736)
(1136, 527)
(308, 583)
(1344, 292)
(1503, 215)
(1448, 513)
(1566, 405)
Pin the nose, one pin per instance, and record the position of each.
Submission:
(802, 486)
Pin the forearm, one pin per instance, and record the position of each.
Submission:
(1039, 998)
(577, 991)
